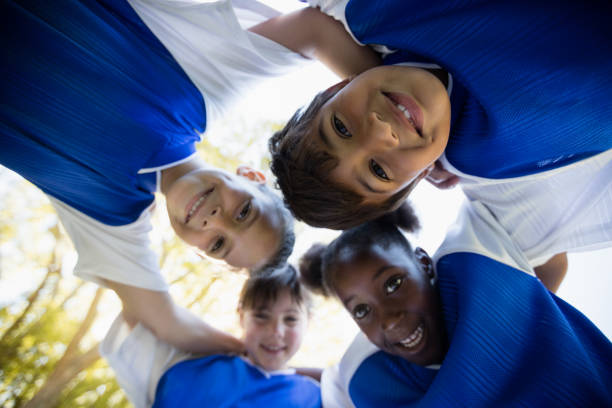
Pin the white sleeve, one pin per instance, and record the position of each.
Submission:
(117, 253)
(210, 43)
(476, 230)
(335, 380)
(139, 359)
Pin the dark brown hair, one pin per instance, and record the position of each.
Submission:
(302, 174)
(262, 288)
(317, 265)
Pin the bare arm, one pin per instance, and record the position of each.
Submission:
(314, 373)
(314, 34)
(172, 323)
(553, 271)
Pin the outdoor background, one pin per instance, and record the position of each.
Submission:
(51, 322)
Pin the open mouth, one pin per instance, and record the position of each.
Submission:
(196, 203)
(414, 339)
(273, 349)
(407, 110)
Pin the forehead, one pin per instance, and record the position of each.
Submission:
(283, 301)
(360, 267)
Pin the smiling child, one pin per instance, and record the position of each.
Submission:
(471, 327)
(274, 310)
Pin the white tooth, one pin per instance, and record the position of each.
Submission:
(407, 114)
(400, 107)
(414, 338)
(195, 206)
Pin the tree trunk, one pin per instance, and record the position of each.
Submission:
(70, 364)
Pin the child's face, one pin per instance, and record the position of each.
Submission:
(365, 125)
(274, 333)
(391, 298)
(225, 215)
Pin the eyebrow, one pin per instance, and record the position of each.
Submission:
(368, 187)
(322, 134)
(380, 271)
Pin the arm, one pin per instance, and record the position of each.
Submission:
(314, 34)
(312, 372)
(172, 323)
(553, 271)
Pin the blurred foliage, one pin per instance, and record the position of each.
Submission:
(51, 322)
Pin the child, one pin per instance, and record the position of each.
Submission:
(274, 310)
(101, 106)
(472, 327)
(526, 105)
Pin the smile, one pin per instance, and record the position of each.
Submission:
(196, 203)
(273, 349)
(408, 110)
(414, 339)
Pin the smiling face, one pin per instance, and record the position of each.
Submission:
(389, 295)
(274, 332)
(227, 216)
(386, 126)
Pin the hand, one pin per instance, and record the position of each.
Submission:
(442, 178)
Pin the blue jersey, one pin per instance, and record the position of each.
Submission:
(512, 343)
(531, 80)
(222, 381)
(89, 98)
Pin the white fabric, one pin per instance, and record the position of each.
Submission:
(207, 40)
(335, 379)
(139, 359)
(565, 209)
(117, 253)
(475, 231)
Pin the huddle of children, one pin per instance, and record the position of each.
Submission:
(485, 94)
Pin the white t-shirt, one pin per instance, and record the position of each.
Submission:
(565, 209)
(222, 60)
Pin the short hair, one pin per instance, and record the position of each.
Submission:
(287, 242)
(301, 169)
(264, 287)
(317, 266)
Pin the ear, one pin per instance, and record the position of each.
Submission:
(426, 264)
(251, 174)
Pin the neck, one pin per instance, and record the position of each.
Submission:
(171, 174)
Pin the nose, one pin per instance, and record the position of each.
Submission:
(278, 329)
(214, 217)
(391, 320)
(380, 134)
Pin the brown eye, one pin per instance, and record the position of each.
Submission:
(378, 171)
(217, 245)
(393, 283)
(360, 311)
(340, 128)
(244, 212)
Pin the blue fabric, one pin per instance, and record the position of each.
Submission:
(89, 97)
(532, 80)
(512, 343)
(223, 382)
